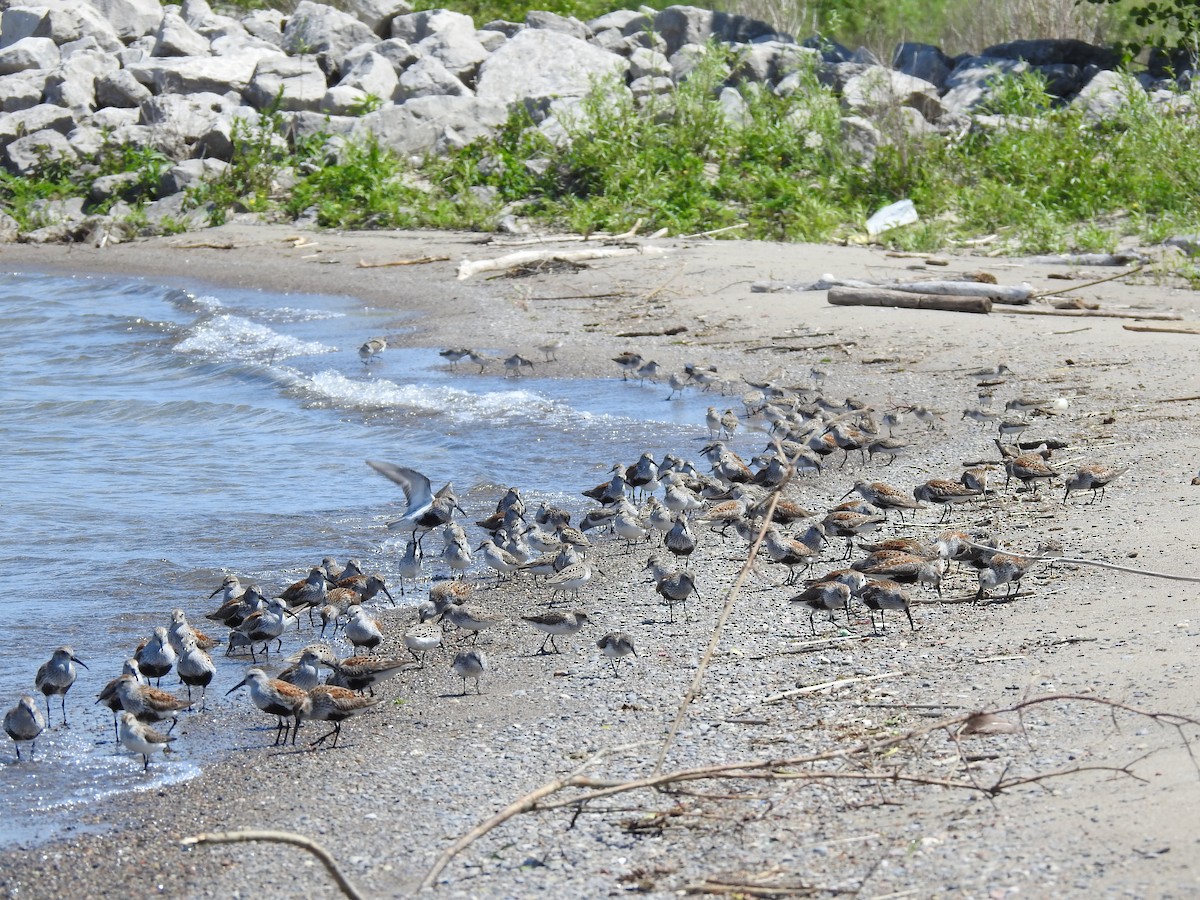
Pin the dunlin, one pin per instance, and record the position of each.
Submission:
(362, 630)
(553, 624)
(362, 673)
(276, 698)
(56, 676)
(1004, 568)
(109, 697)
(824, 596)
(549, 350)
(515, 363)
(713, 420)
(141, 738)
(457, 555)
(616, 645)
(367, 587)
(884, 496)
(371, 349)
(454, 355)
(882, 595)
(847, 524)
(308, 593)
(180, 628)
(156, 657)
(675, 587)
(147, 703)
(421, 638)
(327, 703)
(944, 493)
(24, 722)
(643, 474)
(264, 626)
(471, 663)
(680, 540)
(1091, 477)
(628, 362)
(420, 512)
(480, 359)
(1029, 469)
(628, 527)
(305, 670)
(196, 669)
(572, 578)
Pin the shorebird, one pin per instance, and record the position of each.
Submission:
(264, 626)
(305, 670)
(498, 559)
(156, 657)
(366, 587)
(944, 493)
(572, 578)
(56, 675)
(420, 513)
(410, 564)
(515, 363)
(24, 722)
(824, 596)
(1004, 568)
(453, 355)
(362, 630)
(371, 349)
(556, 623)
(884, 496)
(680, 540)
(847, 524)
(362, 673)
(276, 698)
(470, 664)
(549, 350)
(308, 593)
(326, 703)
(180, 628)
(196, 669)
(1091, 477)
(469, 618)
(147, 703)
(1028, 468)
(421, 638)
(616, 645)
(141, 738)
(457, 555)
(108, 696)
(885, 594)
(628, 362)
(675, 587)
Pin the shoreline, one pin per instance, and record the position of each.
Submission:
(415, 774)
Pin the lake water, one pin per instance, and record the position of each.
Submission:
(156, 439)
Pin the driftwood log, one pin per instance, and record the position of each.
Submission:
(843, 296)
(1095, 313)
(467, 268)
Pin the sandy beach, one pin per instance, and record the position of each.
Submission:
(427, 765)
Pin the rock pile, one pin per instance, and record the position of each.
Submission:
(80, 75)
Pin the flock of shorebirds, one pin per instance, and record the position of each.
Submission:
(669, 506)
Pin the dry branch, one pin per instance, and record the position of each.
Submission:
(281, 837)
(419, 261)
(1094, 313)
(1164, 329)
(845, 296)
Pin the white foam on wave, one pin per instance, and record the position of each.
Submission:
(227, 336)
(381, 393)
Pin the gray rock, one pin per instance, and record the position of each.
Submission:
(377, 14)
(415, 128)
(1188, 243)
(880, 89)
(175, 37)
(625, 20)
(428, 77)
(120, 89)
(22, 90)
(770, 61)
(733, 107)
(650, 86)
(26, 154)
(307, 125)
(372, 74)
(417, 26)
(612, 40)
(685, 60)
(504, 27)
(112, 117)
(36, 118)
(554, 22)
(681, 25)
(131, 19)
(644, 63)
(455, 46)
(74, 87)
(174, 213)
(1106, 94)
(9, 229)
(188, 173)
(27, 54)
(861, 138)
(344, 100)
(398, 52)
(292, 82)
(973, 80)
(923, 61)
(326, 32)
(490, 40)
(20, 22)
(1053, 51)
(266, 25)
(122, 184)
(182, 75)
(59, 20)
(544, 64)
(180, 121)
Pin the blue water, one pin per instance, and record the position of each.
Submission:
(154, 440)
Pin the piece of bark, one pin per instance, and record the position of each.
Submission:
(840, 296)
